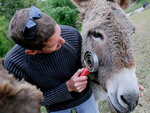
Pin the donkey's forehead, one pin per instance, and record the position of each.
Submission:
(102, 12)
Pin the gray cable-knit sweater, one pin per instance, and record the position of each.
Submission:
(49, 72)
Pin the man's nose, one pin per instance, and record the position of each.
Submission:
(62, 41)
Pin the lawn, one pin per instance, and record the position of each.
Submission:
(136, 5)
(141, 46)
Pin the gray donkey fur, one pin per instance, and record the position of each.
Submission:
(106, 30)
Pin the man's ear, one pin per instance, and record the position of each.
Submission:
(30, 52)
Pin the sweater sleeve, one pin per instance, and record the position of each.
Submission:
(14, 63)
(56, 95)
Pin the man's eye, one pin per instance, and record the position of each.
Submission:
(97, 35)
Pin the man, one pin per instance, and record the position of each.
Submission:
(48, 56)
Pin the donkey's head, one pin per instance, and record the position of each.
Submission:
(106, 30)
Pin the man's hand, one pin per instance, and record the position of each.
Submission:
(141, 88)
(77, 83)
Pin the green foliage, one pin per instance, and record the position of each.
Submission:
(43, 109)
(63, 11)
(7, 10)
(9, 7)
(60, 3)
(137, 5)
(5, 43)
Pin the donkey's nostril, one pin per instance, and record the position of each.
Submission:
(136, 103)
(124, 99)
(130, 101)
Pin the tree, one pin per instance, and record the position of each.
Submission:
(7, 10)
(63, 11)
(5, 44)
(9, 7)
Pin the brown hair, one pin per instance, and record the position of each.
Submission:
(45, 31)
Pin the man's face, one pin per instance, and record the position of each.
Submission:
(54, 43)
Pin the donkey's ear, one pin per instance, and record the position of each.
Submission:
(81, 5)
(123, 3)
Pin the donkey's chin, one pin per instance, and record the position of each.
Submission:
(123, 91)
(118, 104)
(115, 107)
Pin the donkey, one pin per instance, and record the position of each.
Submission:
(106, 30)
(18, 96)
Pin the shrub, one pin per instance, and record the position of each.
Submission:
(63, 11)
(5, 43)
(9, 7)
(7, 10)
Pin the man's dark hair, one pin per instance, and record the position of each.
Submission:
(46, 28)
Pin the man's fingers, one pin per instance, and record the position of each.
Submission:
(82, 79)
(79, 72)
(141, 87)
(80, 84)
(81, 88)
(141, 94)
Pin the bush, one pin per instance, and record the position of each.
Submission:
(9, 7)
(5, 43)
(7, 10)
(63, 11)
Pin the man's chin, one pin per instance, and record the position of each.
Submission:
(58, 47)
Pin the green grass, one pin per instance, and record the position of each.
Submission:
(137, 5)
(141, 47)
(43, 110)
(141, 43)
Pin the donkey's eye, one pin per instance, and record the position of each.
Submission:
(97, 35)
